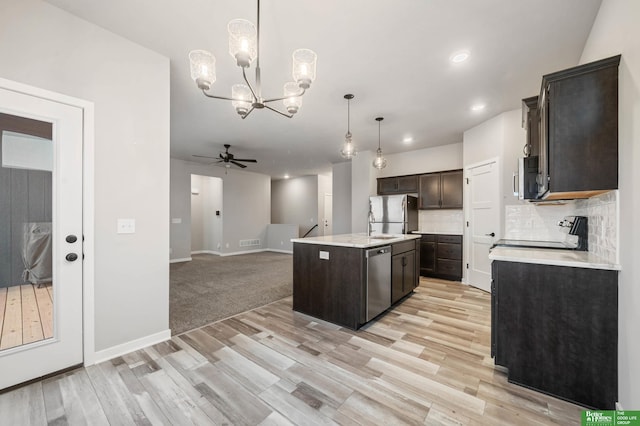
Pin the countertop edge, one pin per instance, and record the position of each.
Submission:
(540, 257)
(376, 243)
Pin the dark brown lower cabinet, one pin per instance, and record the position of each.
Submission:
(441, 256)
(555, 329)
(403, 269)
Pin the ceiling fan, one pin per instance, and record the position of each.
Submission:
(228, 158)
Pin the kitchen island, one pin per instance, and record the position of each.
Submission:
(348, 279)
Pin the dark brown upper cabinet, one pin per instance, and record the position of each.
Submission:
(441, 190)
(398, 185)
(579, 131)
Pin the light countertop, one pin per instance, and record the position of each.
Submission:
(571, 258)
(435, 233)
(357, 240)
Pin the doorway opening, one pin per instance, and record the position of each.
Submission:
(206, 214)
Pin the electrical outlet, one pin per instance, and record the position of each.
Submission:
(126, 226)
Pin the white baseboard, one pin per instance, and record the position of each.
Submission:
(619, 406)
(206, 252)
(186, 259)
(235, 253)
(134, 345)
(280, 251)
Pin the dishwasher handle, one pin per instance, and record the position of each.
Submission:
(378, 251)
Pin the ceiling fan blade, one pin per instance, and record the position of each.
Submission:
(238, 164)
(203, 156)
(247, 160)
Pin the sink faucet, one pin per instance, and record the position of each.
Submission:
(370, 227)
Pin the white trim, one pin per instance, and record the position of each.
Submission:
(131, 346)
(619, 406)
(235, 253)
(88, 204)
(205, 252)
(280, 251)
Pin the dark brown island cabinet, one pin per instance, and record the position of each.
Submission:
(441, 256)
(334, 289)
(555, 328)
(442, 190)
(398, 185)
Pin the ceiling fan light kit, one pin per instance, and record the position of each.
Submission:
(348, 150)
(380, 162)
(244, 47)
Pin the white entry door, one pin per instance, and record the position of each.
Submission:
(41, 324)
(483, 220)
(328, 214)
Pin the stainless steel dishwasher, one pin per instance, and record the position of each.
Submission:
(378, 281)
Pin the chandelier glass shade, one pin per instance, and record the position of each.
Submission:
(348, 150)
(244, 47)
(380, 162)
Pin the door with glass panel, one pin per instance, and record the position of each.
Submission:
(40, 236)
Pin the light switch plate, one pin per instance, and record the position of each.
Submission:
(176, 220)
(324, 255)
(126, 226)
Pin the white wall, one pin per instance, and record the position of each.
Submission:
(247, 207)
(500, 137)
(295, 201)
(616, 31)
(341, 190)
(427, 160)
(46, 47)
(363, 185)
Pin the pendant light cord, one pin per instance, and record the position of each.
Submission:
(349, 116)
(379, 134)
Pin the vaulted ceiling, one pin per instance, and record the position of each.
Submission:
(392, 55)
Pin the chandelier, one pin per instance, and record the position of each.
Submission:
(244, 47)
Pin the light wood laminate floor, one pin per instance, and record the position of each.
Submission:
(26, 314)
(427, 361)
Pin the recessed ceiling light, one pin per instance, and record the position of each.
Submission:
(286, 176)
(478, 107)
(407, 139)
(459, 56)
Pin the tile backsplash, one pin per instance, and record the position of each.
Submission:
(540, 222)
(441, 221)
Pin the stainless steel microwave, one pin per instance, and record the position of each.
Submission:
(525, 186)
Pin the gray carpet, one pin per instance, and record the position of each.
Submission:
(210, 288)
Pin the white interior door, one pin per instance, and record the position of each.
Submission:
(36, 342)
(483, 219)
(328, 214)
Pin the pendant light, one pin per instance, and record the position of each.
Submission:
(348, 150)
(380, 162)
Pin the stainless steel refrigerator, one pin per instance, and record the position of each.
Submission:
(393, 214)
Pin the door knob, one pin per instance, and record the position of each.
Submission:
(71, 257)
(71, 239)
(493, 234)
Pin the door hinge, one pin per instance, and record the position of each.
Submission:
(467, 181)
(467, 266)
(467, 224)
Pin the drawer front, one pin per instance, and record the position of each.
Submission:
(403, 247)
(449, 251)
(428, 238)
(449, 267)
(451, 239)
